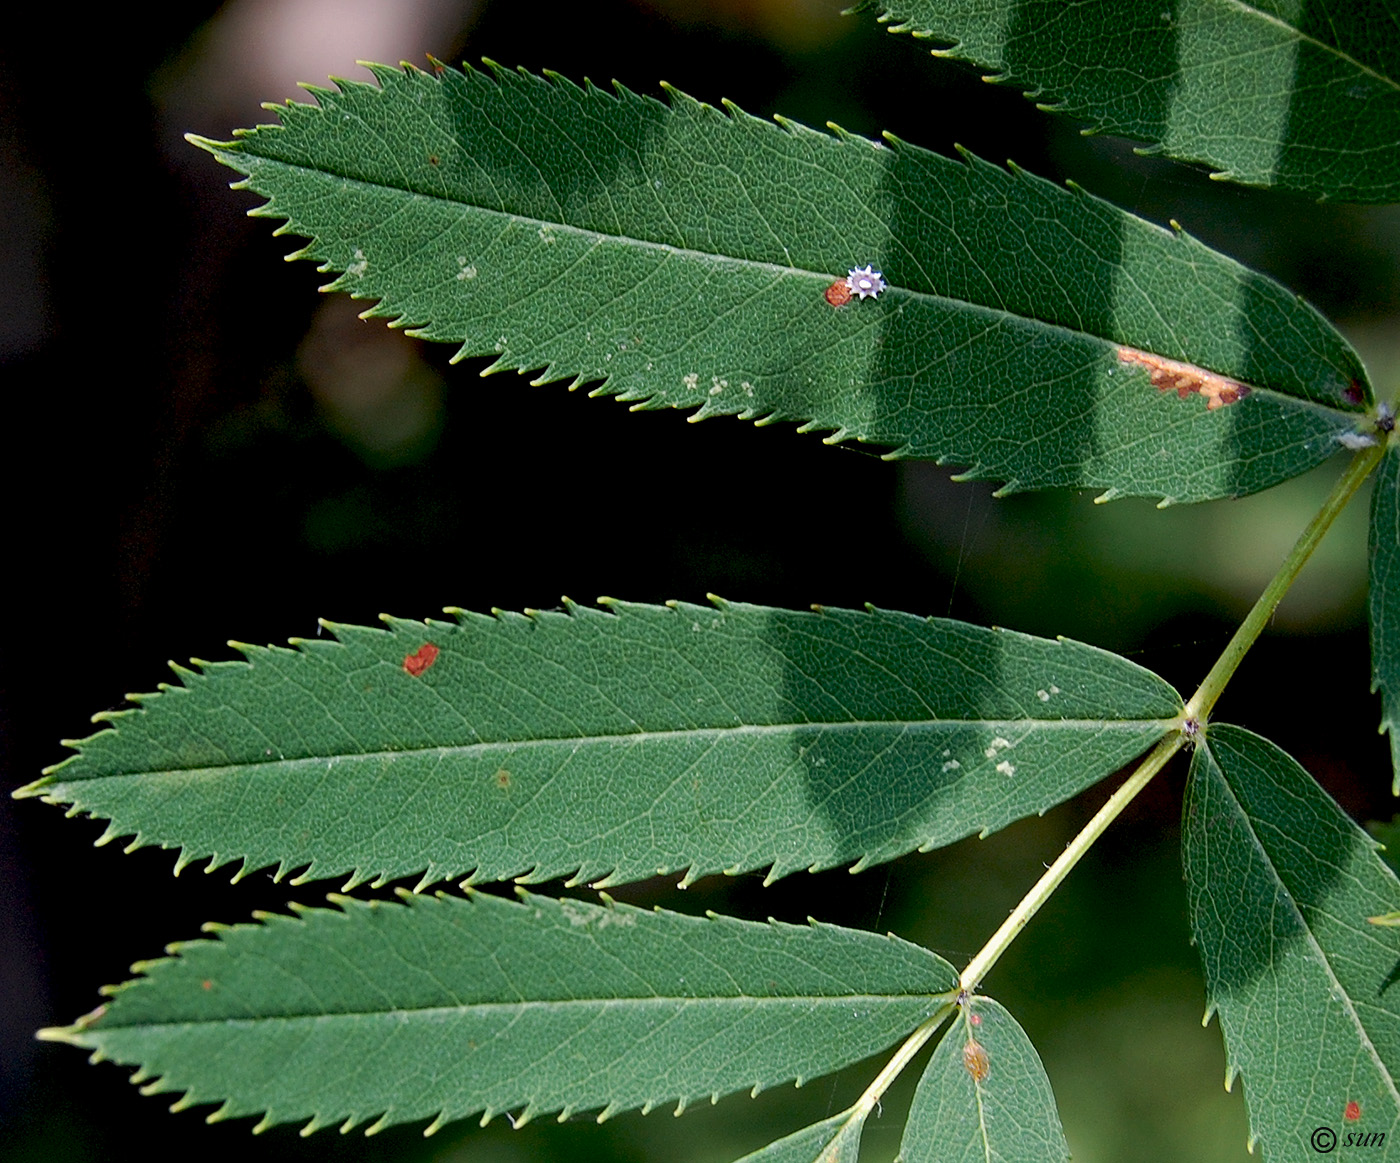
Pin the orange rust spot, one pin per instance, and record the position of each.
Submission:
(974, 1019)
(503, 779)
(416, 664)
(839, 293)
(1185, 378)
(975, 1061)
(206, 984)
(1353, 1111)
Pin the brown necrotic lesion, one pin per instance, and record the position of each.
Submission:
(1185, 379)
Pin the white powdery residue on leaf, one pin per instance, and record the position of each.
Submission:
(599, 918)
(1006, 768)
(468, 271)
(691, 382)
(952, 765)
(997, 744)
(359, 266)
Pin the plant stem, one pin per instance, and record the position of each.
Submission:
(1209, 691)
(1196, 711)
(912, 1045)
(1030, 904)
(1193, 720)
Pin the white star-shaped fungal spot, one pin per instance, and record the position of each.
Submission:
(865, 282)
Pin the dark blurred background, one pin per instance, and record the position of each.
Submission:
(201, 447)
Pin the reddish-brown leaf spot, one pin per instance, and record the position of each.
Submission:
(1353, 1111)
(1185, 378)
(1354, 392)
(974, 1019)
(839, 293)
(416, 664)
(975, 1061)
(503, 779)
(433, 159)
(206, 984)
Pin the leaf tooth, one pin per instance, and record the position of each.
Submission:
(357, 877)
(431, 875)
(245, 868)
(439, 1121)
(607, 1112)
(309, 873)
(378, 1125)
(314, 1124)
(109, 833)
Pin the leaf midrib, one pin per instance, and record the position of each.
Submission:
(1321, 955)
(999, 314)
(775, 729)
(1340, 54)
(1237, 5)
(657, 1000)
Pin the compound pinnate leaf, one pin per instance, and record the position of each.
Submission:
(441, 1008)
(833, 1140)
(984, 1096)
(1304, 96)
(613, 744)
(1281, 886)
(681, 256)
(1384, 600)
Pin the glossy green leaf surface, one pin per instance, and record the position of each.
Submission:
(679, 256)
(613, 744)
(833, 1140)
(1282, 884)
(1274, 93)
(984, 1096)
(440, 1007)
(1384, 600)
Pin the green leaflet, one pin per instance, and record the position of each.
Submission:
(442, 1008)
(680, 256)
(1273, 93)
(833, 1140)
(613, 745)
(984, 1096)
(1282, 884)
(1384, 600)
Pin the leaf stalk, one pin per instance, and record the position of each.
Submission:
(1203, 701)
(1030, 904)
(1197, 710)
